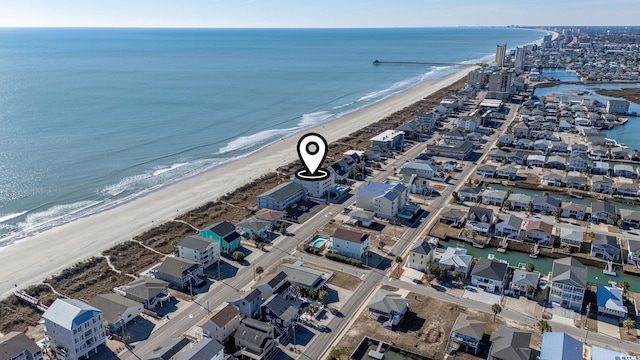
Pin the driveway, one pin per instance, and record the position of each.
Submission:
(476, 294)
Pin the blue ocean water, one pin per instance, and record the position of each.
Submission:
(90, 118)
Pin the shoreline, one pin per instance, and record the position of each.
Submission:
(58, 248)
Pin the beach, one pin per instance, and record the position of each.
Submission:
(58, 248)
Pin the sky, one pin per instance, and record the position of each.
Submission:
(315, 13)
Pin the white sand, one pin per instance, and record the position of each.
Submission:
(31, 260)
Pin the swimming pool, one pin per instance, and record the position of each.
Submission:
(319, 243)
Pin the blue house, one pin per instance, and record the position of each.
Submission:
(225, 233)
(560, 346)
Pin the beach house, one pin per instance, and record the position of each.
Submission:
(74, 329)
(421, 255)
(249, 304)
(578, 162)
(149, 291)
(253, 226)
(560, 346)
(490, 275)
(522, 278)
(494, 197)
(467, 332)
(508, 226)
(179, 272)
(223, 233)
(508, 343)
(385, 199)
(388, 306)
(320, 188)
(571, 238)
(282, 196)
(389, 139)
(602, 211)
(601, 184)
(220, 324)
(467, 193)
(538, 231)
(568, 283)
(255, 340)
(605, 247)
(351, 243)
(277, 311)
(17, 346)
(573, 210)
(479, 220)
(205, 349)
(453, 215)
(486, 171)
(117, 310)
(199, 249)
(519, 202)
(545, 204)
(299, 275)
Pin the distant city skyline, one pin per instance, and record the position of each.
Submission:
(316, 14)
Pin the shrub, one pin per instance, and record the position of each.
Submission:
(343, 259)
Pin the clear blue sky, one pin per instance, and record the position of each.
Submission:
(316, 13)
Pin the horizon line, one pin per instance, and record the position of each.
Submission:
(308, 28)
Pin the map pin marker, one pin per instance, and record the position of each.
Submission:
(312, 150)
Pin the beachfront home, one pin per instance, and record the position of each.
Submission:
(117, 310)
(280, 313)
(254, 226)
(388, 306)
(568, 283)
(490, 275)
(350, 243)
(179, 272)
(249, 304)
(630, 218)
(282, 196)
(479, 220)
(601, 168)
(605, 247)
(508, 226)
(601, 184)
(467, 193)
(571, 238)
(199, 249)
(421, 255)
(411, 129)
(225, 234)
(419, 169)
(205, 349)
(522, 278)
(255, 340)
(273, 216)
(519, 202)
(456, 259)
(494, 197)
(508, 343)
(18, 346)
(385, 199)
(551, 179)
(573, 210)
(454, 216)
(340, 171)
(429, 120)
(74, 329)
(467, 332)
(560, 346)
(320, 188)
(539, 232)
(624, 170)
(602, 211)
(220, 324)
(545, 204)
(149, 291)
(389, 139)
(486, 171)
(610, 301)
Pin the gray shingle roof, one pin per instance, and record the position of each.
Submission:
(602, 239)
(349, 235)
(175, 266)
(196, 242)
(476, 214)
(15, 343)
(423, 248)
(222, 228)
(283, 191)
(522, 278)
(254, 224)
(388, 302)
(511, 220)
(281, 308)
(113, 306)
(569, 269)
(301, 275)
(146, 287)
(203, 350)
(603, 206)
(541, 200)
(469, 326)
(510, 343)
(490, 269)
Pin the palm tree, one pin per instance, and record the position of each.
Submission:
(529, 289)
(283, 228)
(457, 275)
(399, 261)
(544, 326)
(496, 308)
(629, 324)
(259, 270)
(529, 267)
(323, 296)
(625, 286)
(381, 245)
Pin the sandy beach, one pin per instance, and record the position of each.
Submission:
(61, 247)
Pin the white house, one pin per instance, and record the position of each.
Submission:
(282, 196)
(568, 283)
(572, 210)
(420, 169)
(571, 237)
(494, 197)
(249, 304)
(220, 324)
(117, 309)
(205, 349)
(610, 301)
(389, 139)
(18, 346)
(508, 226)
(519, 202)
(74, 329)
(199, 249)
(317, 188)
(479, 220)
(605, 247)
(456, 259)
(490, 275)
(521, 279)
(385, 199)
(601, 184)
(351, 243)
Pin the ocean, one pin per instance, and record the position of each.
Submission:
(92, 118)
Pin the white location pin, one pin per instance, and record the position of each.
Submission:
(312, 150)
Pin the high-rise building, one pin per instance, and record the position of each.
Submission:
(500, 85)
(519, 60)
(501, 52)
(546, 42)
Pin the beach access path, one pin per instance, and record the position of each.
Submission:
(33, 259)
